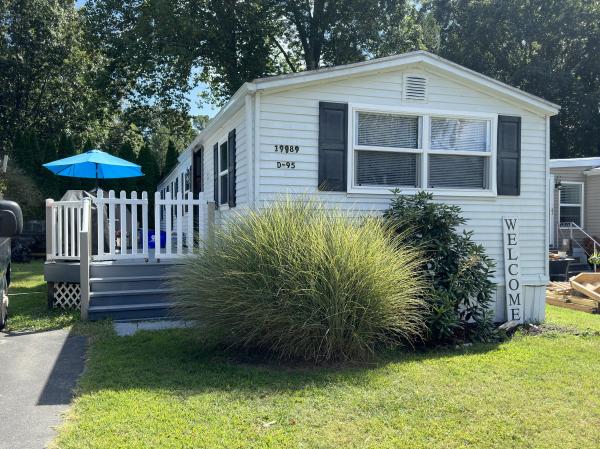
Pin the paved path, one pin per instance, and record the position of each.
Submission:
(37, 374)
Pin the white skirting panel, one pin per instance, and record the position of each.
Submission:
(535, 303)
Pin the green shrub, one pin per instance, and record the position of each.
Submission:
(297, 282)
(458, 271)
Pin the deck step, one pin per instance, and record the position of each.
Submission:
(131, 290)
(156, 305)
(159, 310)
(127, 283)
(140, 292)
(130, 278)
(101, 270)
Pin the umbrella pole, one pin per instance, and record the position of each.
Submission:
(96, 178)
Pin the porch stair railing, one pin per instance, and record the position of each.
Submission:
(571, 228)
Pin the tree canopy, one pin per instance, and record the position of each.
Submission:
(117, 74)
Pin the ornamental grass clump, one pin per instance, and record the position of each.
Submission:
(297, 282)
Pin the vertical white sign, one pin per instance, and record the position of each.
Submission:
(512, 270)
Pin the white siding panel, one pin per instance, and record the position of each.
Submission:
(291, 117)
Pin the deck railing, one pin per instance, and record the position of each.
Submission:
(121, 230)
(63, 221)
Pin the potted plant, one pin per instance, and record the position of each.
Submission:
(594, 260)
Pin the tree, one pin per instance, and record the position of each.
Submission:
(170, 158)
(47, 73)
(345, 31)
(148, 161)
(225, 43)
(547, 47)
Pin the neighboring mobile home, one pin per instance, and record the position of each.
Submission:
(348, 135)
(575, 205)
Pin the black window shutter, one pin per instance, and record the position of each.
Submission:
(509, 155)
(231, 163)
(333, 146)
(216, 174)
(198, 172)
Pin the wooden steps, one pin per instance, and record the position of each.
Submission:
(561, 294)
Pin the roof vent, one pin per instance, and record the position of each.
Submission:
(415, 88)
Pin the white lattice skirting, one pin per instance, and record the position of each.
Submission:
(66, 295)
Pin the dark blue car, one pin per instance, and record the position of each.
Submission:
(11, 224)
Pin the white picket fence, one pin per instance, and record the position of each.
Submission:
(122, 226)
(65, 221)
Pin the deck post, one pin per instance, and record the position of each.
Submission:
(85, 248)
(49, 229)
(210, 220)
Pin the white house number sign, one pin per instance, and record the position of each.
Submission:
(512, 270)
(286, 149)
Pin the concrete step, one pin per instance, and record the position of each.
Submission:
(144, 311)
(125, 283)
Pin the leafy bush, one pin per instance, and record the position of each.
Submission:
(298, 282)
(457, 269)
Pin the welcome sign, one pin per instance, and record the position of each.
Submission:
(512, 270)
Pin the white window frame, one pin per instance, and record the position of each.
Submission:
(221, 172)
(425, 114)
(581, 205)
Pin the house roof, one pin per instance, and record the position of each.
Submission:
(575, 162)
(417, 57)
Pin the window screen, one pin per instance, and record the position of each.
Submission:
(459, 134)
(388, 130)
(457, 172)
(382, 168)
(570, 194)
(223, 164)
(570, 214)
(224, 189)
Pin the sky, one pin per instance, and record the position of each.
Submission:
(193, 96)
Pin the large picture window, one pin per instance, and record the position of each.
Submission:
(571, 204)
(421, 151)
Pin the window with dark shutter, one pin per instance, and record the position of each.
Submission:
(223, 174)
(509, 155)
(231, 167)
(216, 174)
(333, 146)
(197, 172)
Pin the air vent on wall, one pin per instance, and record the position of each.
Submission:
(415, 88)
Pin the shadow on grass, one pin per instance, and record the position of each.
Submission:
(178, 361)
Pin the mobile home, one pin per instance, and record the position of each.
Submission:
(349, 135)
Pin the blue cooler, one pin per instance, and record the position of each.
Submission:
(152, 238)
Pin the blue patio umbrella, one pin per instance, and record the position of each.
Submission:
(95, 164)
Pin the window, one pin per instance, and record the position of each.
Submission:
(406, 150)
(460, 150)
(571, 203)
(223, 174)
(385, 149)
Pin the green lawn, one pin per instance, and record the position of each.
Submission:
(28, 309)
(162, 389)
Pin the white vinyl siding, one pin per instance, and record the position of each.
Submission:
(292, 117)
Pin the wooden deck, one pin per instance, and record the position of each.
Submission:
(561, 294)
